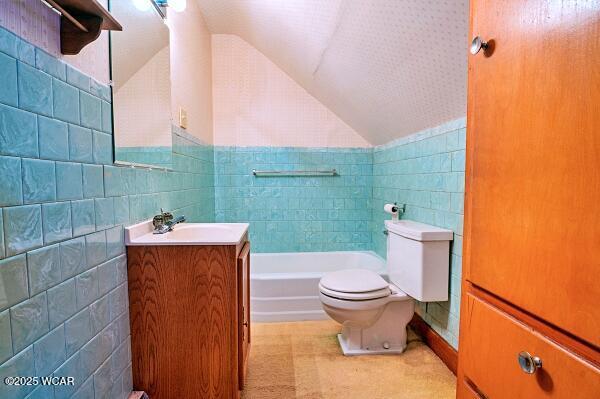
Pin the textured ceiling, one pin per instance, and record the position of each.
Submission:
(388, 68)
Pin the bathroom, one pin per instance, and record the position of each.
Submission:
(299, 199)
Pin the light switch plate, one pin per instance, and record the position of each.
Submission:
(183, 121)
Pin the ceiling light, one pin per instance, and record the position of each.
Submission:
(142, 5)
(178, 5)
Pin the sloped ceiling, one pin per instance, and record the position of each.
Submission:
(388, 68)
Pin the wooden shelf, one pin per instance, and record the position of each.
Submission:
(81, 22)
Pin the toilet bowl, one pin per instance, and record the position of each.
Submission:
(374, 313)
(369, 318)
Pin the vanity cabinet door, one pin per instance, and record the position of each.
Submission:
(243, 311)
(183, 303)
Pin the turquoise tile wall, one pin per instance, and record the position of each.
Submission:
(295, 214)
(425, 171)
(63, 292)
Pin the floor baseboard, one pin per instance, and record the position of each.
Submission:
(438, 345)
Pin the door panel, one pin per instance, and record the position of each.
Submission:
(243, 312)
(533, 195)
(490, 359)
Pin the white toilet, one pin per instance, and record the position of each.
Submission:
(374, 313)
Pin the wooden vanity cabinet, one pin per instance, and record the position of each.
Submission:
(190, 319)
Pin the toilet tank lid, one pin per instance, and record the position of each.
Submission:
(353, 280)
(418, 231)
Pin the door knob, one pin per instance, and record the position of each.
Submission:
(528, 363)
(477, 44)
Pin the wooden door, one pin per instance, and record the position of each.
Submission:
(243, 312)
(533, 160)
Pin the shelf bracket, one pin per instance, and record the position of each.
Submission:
(73, 39)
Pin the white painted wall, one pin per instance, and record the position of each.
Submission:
(191, 71)
(257, 104)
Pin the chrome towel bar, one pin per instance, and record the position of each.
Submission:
(331, 172)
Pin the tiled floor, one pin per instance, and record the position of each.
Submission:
(303, 360)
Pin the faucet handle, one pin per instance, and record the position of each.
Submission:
(162, 218)
(158, 221)
(167, 216)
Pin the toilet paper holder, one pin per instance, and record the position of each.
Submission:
(399, 209)
(395, 210)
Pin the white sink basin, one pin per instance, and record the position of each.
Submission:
(187, 234)
(202, 232)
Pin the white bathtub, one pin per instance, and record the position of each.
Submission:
(285, 286)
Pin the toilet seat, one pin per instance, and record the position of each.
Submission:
(354, 285)
(361, 296)
(395, 295)
(353, 280)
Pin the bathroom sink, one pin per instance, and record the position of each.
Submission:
(202, 232)
(187, 234)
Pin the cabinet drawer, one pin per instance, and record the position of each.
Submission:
(493, 341)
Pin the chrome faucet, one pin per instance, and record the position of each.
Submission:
(164, 222)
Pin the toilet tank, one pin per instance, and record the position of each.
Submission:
(418, 258)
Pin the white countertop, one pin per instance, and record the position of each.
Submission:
(141, 234)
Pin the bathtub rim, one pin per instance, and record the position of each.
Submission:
(312, 274)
